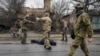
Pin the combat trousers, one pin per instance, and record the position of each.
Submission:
(46, 35)
(64, 34)
(78, 41)
(23, 40)
(23, 36)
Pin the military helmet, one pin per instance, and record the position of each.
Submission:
(79, 5)
(46, 14)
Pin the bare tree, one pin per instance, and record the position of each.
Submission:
(11, 9)
(58, 8)
(87, 3)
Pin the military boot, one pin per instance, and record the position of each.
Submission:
(66, 39)
(23, 41)
(49, 48)
(62, 38)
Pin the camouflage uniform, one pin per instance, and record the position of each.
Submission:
(14, 29)
(23, 31)
(46, 30)
(23, 28)
(71, 28)
(82, 26)
(64, 30)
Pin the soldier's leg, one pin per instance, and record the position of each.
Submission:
(65, 33)
(62, 36)
(74, 46)
(84, 48)
(66, 36)
(47, 43)
(49, 34)
(46, 39)
(17, 32)
(24, 38)
(14, 34)
(20, 33)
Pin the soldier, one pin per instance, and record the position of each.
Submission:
(64, 30)
(71, 28)
(46, 30)
(13, 29)
(82, 26)
(23, 28)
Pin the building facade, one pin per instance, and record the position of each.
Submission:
(39, 11)
(95, 19)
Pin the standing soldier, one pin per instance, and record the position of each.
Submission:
(82, 26)
(71, 28)
(64, 30)
(46, 30)
(23, 28)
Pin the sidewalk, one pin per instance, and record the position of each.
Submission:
(32, 35)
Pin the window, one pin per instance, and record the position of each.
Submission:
(96, 22)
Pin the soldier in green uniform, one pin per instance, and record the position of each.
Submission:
(64, 30)
(82, 27)
(23, 28)
(46, 29)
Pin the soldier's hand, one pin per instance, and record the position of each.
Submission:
(90, 40)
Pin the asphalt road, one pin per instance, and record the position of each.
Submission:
(14, 48)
